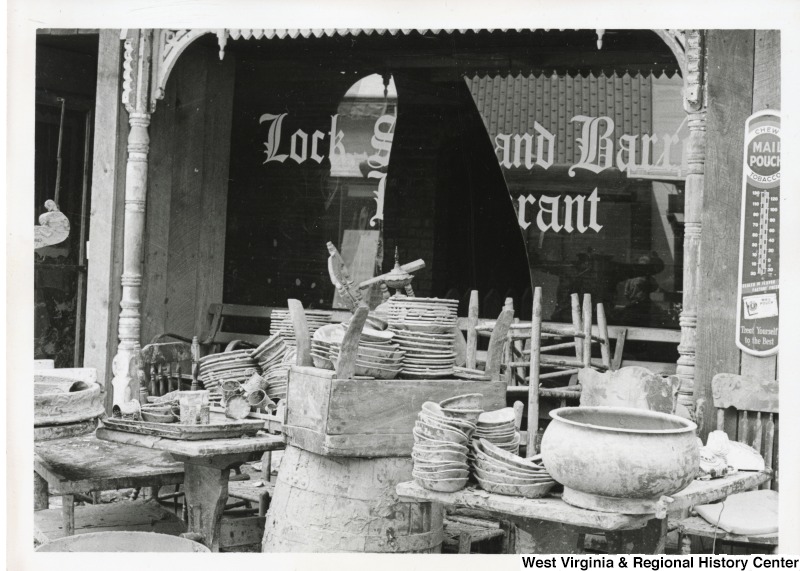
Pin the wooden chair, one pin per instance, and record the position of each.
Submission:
(747, 410)
(166, 367)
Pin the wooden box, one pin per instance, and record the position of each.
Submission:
(367, 418)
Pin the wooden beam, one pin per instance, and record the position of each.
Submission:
(105, 220)
(730, 84)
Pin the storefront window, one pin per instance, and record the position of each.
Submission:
(594, 167)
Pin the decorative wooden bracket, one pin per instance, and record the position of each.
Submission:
(688, 46)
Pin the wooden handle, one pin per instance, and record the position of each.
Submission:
(346, 365)
(298, 316)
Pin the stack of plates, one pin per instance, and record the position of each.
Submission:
(378, 356)
(501, 472)
(424, 329)
(281, 322)
(277, 380)
(270, 352)
(498, 428)
(440, 450)
(233, 365)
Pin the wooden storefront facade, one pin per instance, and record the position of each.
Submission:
(167, 184)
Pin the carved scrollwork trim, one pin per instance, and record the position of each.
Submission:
(689, 49)
(168, 45)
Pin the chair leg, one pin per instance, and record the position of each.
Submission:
(509, 537)
(464, 542)
(266, 466)
(68, 514)
(41, 493)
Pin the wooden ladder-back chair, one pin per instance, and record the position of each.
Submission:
(166, 367)
(747, 411)
(548, 339)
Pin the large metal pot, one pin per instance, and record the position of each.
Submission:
(619, 459)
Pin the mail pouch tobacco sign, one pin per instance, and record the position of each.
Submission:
(757, 311)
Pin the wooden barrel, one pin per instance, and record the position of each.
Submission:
(327, 504)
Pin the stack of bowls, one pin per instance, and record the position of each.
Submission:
(501, 472)
(425, 329)
(497, 427)
(281, 322)
(321, 344)
(378, 355)
(440, 450)
(233, 365)
(270, 352)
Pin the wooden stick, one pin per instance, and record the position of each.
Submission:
(616, 363)
(587, 330)
(472, 334)
(346, 364)
(602, 325)
(195, 363)
(508, 374)
(298, 315)
(494, 355)
(556, 374)
(576, 323)
(533, 390)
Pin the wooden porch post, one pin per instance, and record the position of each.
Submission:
(135, 97)
(695, 105)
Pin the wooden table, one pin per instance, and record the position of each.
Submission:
(84, 464)
(207, 465)
(555, 526)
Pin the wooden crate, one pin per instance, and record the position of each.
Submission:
(366, 418)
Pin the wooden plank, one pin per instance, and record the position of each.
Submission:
(346, 363)
(105, 227)
(309, 394)
(745, 393)
(546, 509)
(300, 325)
(196, 448)
(730, 84)
(238, 531)
(766, 95)
(190, 82)
(214, 188)
(359, 251)
(145, 516)
(494, 354)
(397, 403)
(84, 464)
(633, 333)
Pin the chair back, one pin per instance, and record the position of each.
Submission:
(166, 367)
(747, 410)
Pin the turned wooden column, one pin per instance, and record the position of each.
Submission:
(696, 155)
(135, 96)
(694, 102)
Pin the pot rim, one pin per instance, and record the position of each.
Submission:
(689, 426)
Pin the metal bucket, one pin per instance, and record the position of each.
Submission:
(123, 541)
(328, 504)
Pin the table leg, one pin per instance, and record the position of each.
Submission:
(41, 493)
(650, 540)
(68, 514)
(206, 489)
